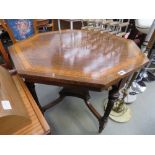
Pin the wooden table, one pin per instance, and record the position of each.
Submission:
(79, 61)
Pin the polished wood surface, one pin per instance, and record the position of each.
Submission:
(25, 116)
(76, 58)
(38, 124)
(16, 117)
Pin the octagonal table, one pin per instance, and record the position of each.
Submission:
(79, 61)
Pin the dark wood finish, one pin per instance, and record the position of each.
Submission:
(84, 95)
(5, 56)
(79, 61)
(66, 25)
(112, 98)
(151, 44)
(31, 87)
(42, 22)
(152, 41)
(76, 58)
(71, 23)
(53, 103)
(1, 27)
(45, 23)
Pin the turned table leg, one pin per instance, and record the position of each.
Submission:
(113, 96)
(84, 94)
(31, 87)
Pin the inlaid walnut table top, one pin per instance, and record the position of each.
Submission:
(76, 57)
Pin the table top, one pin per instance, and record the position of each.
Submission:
(76, 58)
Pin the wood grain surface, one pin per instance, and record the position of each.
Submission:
(78, 58)
(38, 124)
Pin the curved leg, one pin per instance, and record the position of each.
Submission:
(53, 103)
(92, 109)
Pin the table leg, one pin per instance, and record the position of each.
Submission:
(67, 92)
(53, 103)
(84, 94)
(113, 96)
(31, 87)
(93, 110)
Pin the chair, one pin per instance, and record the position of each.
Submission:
(19, 29)
(5, 56)
(120, 27)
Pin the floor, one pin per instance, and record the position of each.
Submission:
(71, 116)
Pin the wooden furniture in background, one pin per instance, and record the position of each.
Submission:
(39, 125)
(1, 27)
(37, 23)
(71, 21)
(24, 117)
(17, 28)
(78, 61)
(44, 23)
(21, 29)
(66, 25)
(5, 56)
(13, 114)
